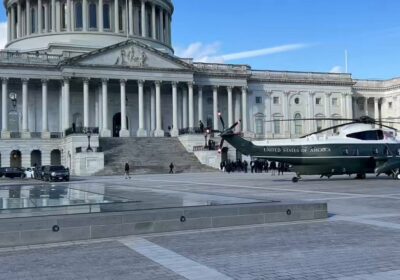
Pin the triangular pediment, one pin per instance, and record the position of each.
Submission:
(129, 54)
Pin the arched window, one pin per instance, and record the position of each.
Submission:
(319, 123)
(298, 124)
(277, 123)
(92, 15)
(78, 15)
(63, 15)
(259, 124)
(33, 20)
(106, 16)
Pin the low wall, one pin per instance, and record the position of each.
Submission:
(50, 229)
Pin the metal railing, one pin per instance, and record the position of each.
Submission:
(193, 130)
(81, 130)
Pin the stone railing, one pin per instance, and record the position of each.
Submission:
(29, 57)
(221, 67)
(301, 76)
(81, 130)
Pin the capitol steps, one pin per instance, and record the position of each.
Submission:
(147, 155)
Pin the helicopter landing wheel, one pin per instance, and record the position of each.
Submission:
(397, 176)
(295, 179)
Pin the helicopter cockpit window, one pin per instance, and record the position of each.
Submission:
(367, 135)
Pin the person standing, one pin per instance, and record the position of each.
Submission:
(127, 171)
(171, 168)
(201, 125)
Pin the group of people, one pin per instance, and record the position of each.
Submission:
(256, 166)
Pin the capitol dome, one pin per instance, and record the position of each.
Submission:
(85, 25)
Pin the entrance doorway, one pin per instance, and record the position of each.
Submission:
(117, 124)
(36, 158)
(55, 157)
(15, 159)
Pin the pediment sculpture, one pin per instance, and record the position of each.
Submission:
(132, 57)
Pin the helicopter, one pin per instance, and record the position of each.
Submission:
(359, 146)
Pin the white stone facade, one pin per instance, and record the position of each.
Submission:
(113, 70)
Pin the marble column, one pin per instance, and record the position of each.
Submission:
(366, 106)
(4, 108)
(45, 121)
(130, 17)
(328, 108)
(19, 20)
(8, 25)
(53, 16)
(66, 104)
(268, 113)
(12, 22)
(25, 128)
(101, 16)
(376, 108)
(161, 27)
(106, 132)
(175, 130)
(39, 15)
(311, 115)
(153, 109)
(191, 106)
(58, 16)
(167, 29)
(153, 21)
(72, 15)
(200, 104)
(46, 17)
(85, 102)
(124, 132)
(244, 109)
(184, 107)
(349, 106)
(143, 18)
(230, 107)
(85, 15)
(159, 132)
(215, 108)
(141, 131)
(285, 105)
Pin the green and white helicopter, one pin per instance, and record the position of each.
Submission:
(359, 146)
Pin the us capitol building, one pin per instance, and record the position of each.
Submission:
(107, 67)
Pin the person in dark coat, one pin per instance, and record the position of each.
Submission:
(272, 166)
(127, 171)
(201, 125)
(245, 164)
(171, 168)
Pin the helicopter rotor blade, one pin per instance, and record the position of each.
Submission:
(221, 145)
(234, 125)
(327, 129)
(222, 121)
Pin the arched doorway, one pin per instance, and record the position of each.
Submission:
(117, 124)
(55, 157)
(36, 158)
(16, 159)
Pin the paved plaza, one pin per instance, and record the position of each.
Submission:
(360, 239)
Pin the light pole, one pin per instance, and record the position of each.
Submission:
(13, 97)
(205, 138)
(89, 134)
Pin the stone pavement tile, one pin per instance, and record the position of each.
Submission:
(107, 260)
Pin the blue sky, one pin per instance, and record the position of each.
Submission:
(296, 35)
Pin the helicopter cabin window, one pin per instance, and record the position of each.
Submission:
(276, 100)
(367, 135)
(297, 101)
(335, 101)
(318, 101)
(258, 99)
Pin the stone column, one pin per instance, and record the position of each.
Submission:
(366, 106)
(101, 16)
(349, 106)
(85, 102)
(46, 17)
(311, 115)
(215, 107)
(143, 18)
(58, 16)
(66, 104)
(184, 107)
(4, 108)
(167, 29)
(268, 113)
(116, 16)
(244, 109)
(124, 132)
(153, 21)
(152, 110)
(328, 107)
(39, 15)
(141, 131)
(53, 16)
(237, 109)
(106, 132)
(200, 104)
(19, 21)
(230, 107)
(159, 132)
(130, 17)
(161, 22)
(12, 22)
(85, 15)
(285, 106)
(191, 106)
(25, 129)
(45, 122)
(8, 25)
(376, 108)
(175, 130)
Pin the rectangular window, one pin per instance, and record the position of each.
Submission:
(318, 101)
(276, 100)
(335, 102)
(258, 99)
(259, 126)
(277, 126)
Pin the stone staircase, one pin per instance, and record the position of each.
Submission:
(147, 155)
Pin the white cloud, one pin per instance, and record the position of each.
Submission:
(3, 34)
(210, 53)
(336, 69)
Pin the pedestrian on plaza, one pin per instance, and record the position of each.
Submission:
(171, 168)
(272, 166)
(281, 167)
(201, 125)
(127, 171)
(245, 166)
(252, 165)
